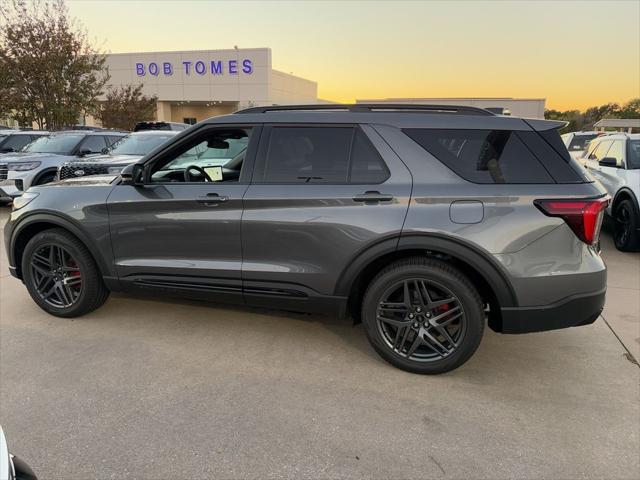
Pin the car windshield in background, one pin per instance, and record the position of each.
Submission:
(60, 144)
(138, 144)
(633, 155)
(580, 142)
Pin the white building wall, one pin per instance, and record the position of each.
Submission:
(287, 89)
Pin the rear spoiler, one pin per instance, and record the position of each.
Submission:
(542, 125)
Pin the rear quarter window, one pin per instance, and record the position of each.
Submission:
(482, 156)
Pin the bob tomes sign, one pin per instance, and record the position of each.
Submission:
(198, 67)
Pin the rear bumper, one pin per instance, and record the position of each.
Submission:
(573, 311)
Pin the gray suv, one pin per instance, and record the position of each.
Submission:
(424, 222)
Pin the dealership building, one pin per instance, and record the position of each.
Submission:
(194, 85)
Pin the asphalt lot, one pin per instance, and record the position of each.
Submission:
(159, 389)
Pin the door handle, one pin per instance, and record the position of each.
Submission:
(372, 197)
(212, 199)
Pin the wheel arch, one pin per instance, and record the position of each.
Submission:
(44, 172)
(625, 193)
(36, 223)
(484, 271)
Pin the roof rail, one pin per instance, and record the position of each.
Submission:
(370, 107)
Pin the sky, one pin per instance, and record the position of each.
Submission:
(576, 54)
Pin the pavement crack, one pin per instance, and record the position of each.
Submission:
(438, 464)
(627, 354)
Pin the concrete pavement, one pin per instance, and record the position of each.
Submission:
(157, 389)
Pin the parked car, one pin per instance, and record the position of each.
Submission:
(38, 162)
(11, 467)
(577, 142)
(614, 160)
(15, 140)
(160, 126)
(424, 222)
(125, 151)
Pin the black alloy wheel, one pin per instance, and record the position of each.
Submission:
(626, 236)
(56, 276)
(423, 315)
(421, 320)
(61, 275)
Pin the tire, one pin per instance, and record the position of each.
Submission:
(46, 177)
(76, 287)
(626, 223)
(452, 303)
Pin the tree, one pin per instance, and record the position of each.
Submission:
(585, 120)
(51, 72)
(125, 106)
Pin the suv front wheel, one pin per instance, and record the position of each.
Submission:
(60, 274)
(423, 316)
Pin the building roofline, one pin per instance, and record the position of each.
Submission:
(189, 51)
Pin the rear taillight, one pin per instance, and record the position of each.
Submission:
(584, 216)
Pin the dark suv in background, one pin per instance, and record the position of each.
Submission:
(422, 221)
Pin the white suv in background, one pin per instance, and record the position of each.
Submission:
(577, 142)
(614, 160)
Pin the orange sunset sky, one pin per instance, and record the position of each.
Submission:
(575, 54)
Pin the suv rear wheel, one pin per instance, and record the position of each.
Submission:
(626, 226)
(61, 276)
(423, 316)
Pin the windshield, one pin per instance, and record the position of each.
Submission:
(579, 142)
(138, 144)
(60, 144)
(633, 154)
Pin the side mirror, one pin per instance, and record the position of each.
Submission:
(84, 152)
(608, 162)
(132, 174)
(7, 150)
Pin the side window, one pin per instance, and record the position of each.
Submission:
(367, 167)
(93, 144)
(329, 155)
(482, 156)
(307, 155)
(616, 151)
(213, 156)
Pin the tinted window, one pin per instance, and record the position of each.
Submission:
(633, 154)
(580, 142)
(483, 156)
(366, 164)
(554, 157)
(308, 155)
(94, 143)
